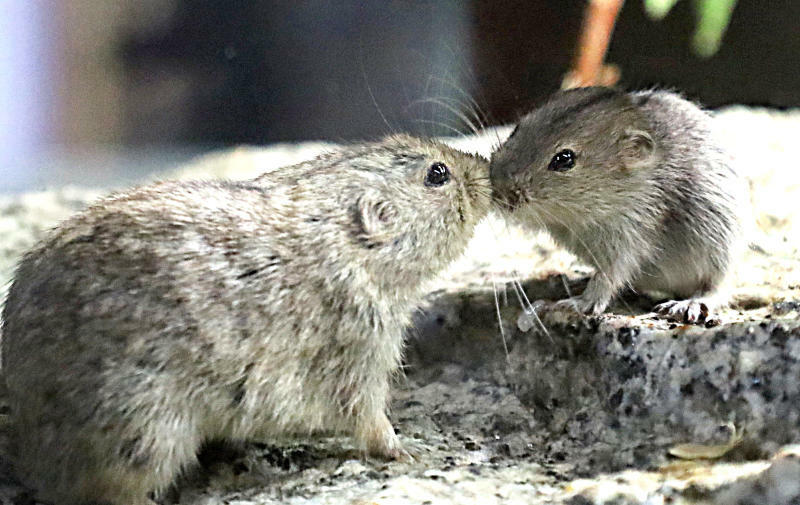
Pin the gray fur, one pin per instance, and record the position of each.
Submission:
(652, 203)
(183, 311)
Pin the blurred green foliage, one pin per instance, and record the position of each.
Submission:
(713, 17)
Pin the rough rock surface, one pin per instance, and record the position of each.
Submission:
(584, 412)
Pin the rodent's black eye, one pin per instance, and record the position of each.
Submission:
(563, 161)
(438, 174)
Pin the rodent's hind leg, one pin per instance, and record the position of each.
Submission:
(377, 437)
(110, 485)
(101, 462)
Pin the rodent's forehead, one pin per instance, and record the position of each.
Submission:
(545, 131)
(553, 121)
(583, 109)
(420, 154)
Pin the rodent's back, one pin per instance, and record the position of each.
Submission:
(702, 186)
(106, 289)
(283, 243)
(144, 319)
(189, 261)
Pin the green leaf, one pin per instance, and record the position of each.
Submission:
(657, 9)
(713, 17)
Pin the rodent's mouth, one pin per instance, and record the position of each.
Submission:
(507, 200)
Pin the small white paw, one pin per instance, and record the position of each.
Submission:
(685, 311)
(581, 305)
(380, 440)
(402, 455)
(529, 317)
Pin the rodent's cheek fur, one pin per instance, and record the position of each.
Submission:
(476, 198)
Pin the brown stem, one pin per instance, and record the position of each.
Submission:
(598, 24)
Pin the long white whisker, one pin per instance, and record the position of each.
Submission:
(475, 109)
(471, 76)
(566, 287)
(369, 88)
(516, 292)
(458, 132)
(530, 309)
(500, 319)
(458, 112)
(503, 223)
(487, 118)
(463, 117)
(428, 83)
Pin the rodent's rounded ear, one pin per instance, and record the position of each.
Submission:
(374, 218)
(637, 149)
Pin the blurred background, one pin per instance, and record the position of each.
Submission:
(101, 92)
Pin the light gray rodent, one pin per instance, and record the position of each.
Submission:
(636, 184)
(185, 311)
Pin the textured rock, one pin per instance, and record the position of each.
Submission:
(582, 413)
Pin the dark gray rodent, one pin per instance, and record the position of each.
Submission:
(183, 311)
(637, 184)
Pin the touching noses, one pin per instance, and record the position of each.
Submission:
(500, 169)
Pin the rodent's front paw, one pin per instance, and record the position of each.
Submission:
(381, 441)
(581, 305)
(529, 318)
(402, 455)
(413, 450)
(685, 311)
(394, 450)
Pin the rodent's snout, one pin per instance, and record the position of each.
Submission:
(501, 168)
(501, 179)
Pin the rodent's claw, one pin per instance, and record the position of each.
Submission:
(404, 455)
(399, 453)
(689, 311)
